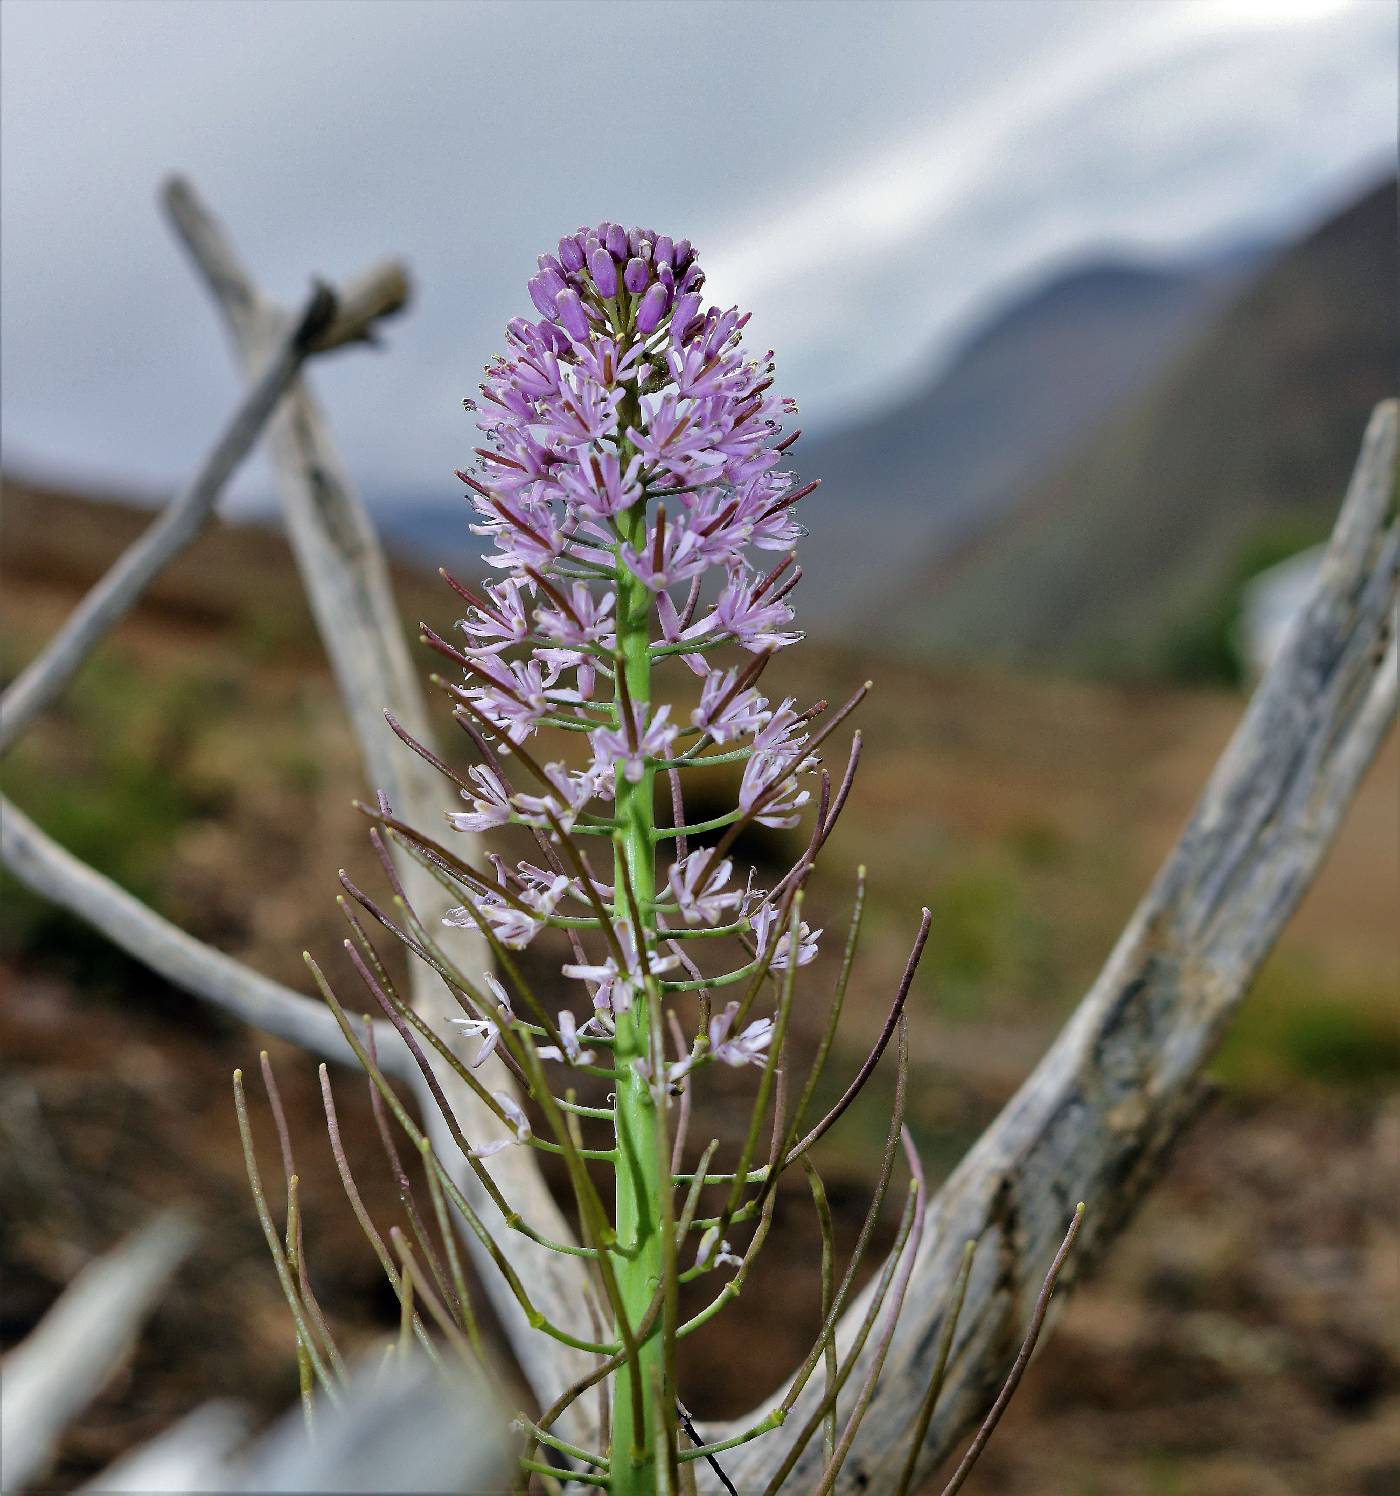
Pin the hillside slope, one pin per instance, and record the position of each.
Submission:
(955, 455)
(1247, 442)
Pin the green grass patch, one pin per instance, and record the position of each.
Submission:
(1203, 648)
(1295, 1029)
(108, 776)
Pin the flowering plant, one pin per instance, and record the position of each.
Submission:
(634, 490)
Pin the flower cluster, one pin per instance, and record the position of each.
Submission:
(630, 480)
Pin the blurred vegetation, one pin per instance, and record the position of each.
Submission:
(1297, 1028)
(1204, 646)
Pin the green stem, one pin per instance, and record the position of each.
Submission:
(635, 1459)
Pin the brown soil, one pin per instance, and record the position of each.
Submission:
(1243, 1336)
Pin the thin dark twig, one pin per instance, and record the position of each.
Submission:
(693, 1434)
(1013, 1380)
(873, 1058)
(940, 1367)
(424, 752)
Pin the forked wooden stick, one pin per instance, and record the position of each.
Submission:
(346, 579)
(322, 325)
(1098, 1115)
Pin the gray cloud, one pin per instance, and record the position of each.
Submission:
(863, 176)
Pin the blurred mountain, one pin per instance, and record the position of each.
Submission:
(1032, 379)
(1126, 555)
(953, 456)
(433, 530)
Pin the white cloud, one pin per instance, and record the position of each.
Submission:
(1197, 120)
(863, 176)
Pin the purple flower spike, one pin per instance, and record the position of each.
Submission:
(635, 276)
(604, 272)
(631, 438)
(652, 310)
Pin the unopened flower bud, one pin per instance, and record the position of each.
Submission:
(603, 271)
(571, 254)
(570, 312)
(542, 296)
(635, 276)
(652, 310)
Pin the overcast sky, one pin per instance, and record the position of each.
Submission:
(865, 176)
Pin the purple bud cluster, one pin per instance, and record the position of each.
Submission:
(632, 448)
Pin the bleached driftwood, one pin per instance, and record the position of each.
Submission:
(180, 522)
(52, 1375)
(399, 1427)
(346, 578)
(46, 868)
(1097, 1116)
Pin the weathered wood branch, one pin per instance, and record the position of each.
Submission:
(328, 322)
(48, 870)
(41, 682)
(347, 582)
(1098, 1115)
(53, 1375)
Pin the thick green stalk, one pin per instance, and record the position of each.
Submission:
(634, 1456)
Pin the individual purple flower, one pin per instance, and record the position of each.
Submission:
(571, 792)
(747, 617)
(515, 1119)
(673, 632)
(725, 712)
(515, 923)
(600, 486)
(570, 1035)
(488, 1029)
(783, 954)
(581, 620)
(502, 621)
(516, 698)
(750, 1047)
(699, 886)
(617, 985)
(769, 790)
(631, 749)
(673, 553)
(491, 805)
(714, 1251)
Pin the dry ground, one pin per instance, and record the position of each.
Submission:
(1243, 1337)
